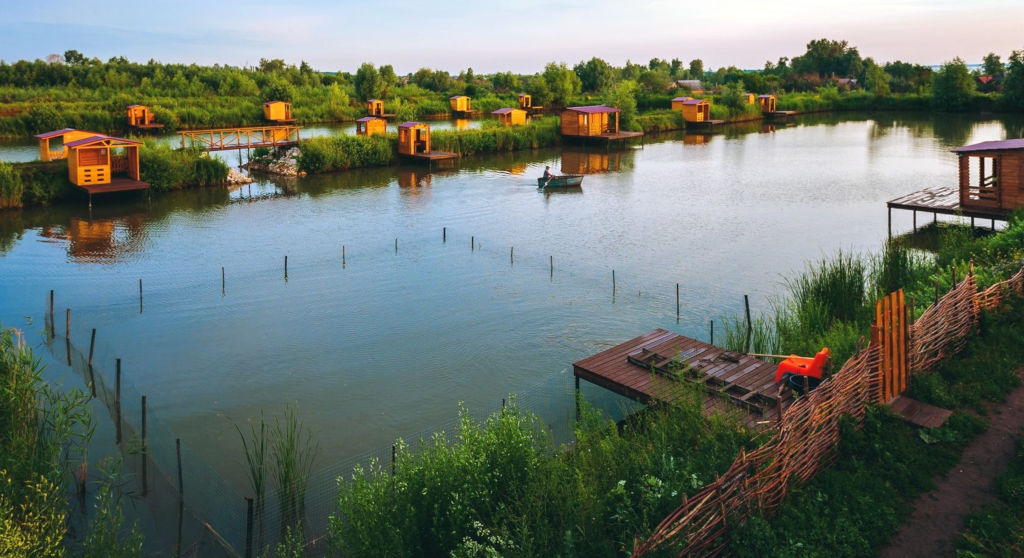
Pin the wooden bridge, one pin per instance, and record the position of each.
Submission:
(241, 138)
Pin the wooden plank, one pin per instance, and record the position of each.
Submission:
(879, 337)
(918, 413)
(901, 317)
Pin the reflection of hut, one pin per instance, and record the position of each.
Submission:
(767, 103)
(278, 111)
(66, 136)
(461, 123)
(139, 116)
(375, 107)
(370, 126)
(413, 179)
(413, 138)
(510, 116)
(590, 162)
(696, 139)
(992, 176)
(696, 110)
(677, 103)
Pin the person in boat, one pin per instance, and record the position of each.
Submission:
(547, 173)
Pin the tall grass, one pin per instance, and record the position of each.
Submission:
(542, 132)
(293, 451)
(255, 446)
(11, 187)
(342, 152)
(165, 168)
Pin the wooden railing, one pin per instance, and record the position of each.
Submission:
(119, 164)
(241, 138)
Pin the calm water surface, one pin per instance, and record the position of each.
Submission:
(391, 342)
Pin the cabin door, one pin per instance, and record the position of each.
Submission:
(983, 188)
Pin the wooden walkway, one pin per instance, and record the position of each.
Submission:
(651, 367)
(918, 413)
(222, 139)
(607, 137)
(944, 200)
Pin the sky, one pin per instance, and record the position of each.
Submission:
(519, 36)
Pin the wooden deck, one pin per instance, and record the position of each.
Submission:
(919, 414)
(650, 368)
(606, 137)
(780, 113)
(117, 184)
(944, 200)
(705, 123)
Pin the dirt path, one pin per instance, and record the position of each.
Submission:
(938, 515)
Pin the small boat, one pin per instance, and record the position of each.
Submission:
(560, 181)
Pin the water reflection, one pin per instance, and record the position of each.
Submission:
(696, 139)
(590, 162)
(100, 240)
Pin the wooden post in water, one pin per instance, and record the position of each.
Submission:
(286, 267)
(444, 234)
(67, 324)
(343, 256)
(712, 332)
(248, 527)
(551, 261)
(145, 477)
(677, 302)
(472, 243)
(613, 283)
(750, 326)
(140, 296)
(92, 345)
(181, 483)
(396, 244)
(512, 256)
(117, 398)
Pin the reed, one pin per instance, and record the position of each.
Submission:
(11, 187)
(255, 446)
(293, 451)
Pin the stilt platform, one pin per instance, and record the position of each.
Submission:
(117, 184)
(943, 200)
(705, 123)
(918, 413)
(780, 113)
(652, 367)
(606, 138)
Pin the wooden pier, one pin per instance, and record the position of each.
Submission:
(943, 200)
(651, 367)
(222, 139)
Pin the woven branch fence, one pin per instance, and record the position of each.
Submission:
(807, 433)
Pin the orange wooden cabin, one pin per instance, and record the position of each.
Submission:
(751, 98)
(370, 126)
(696, 110)
(67, 135)
(677, 103)
(590, 121)
(992, 176)
(278, 111)
(139, 116)
(413, 138)
(460, 103)
(375, 107)
(510, 116)
(768, 103)
(525, 101)
(94, 160)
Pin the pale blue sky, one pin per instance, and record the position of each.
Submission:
(520, 36)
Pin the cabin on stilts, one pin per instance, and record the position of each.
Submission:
(461, 106)
(141, 117)
(767, 103)
(526, 103)
(370, 126)
(991, 185)
(414, 143)
(375, 107)
(278, 111)
(100, 164)
(510, 116)
(594, 122)
(66, 136)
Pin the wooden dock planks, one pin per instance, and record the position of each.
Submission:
(943, 200)
(644, 369)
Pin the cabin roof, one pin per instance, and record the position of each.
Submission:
(135, 106)
(372, 100)
(593, 109)
(368, 119)
(410, 124)
(458, 97)
(992, 146)
(691, 83)
(274, 102)
(695, 102)
(55, 133)
(506, 110)
(764, 96)
(682, 98)
(100, 137)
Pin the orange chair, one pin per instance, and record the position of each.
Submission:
(803, 366)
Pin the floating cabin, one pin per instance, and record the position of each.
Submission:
(370, 126)
(594, 122)
(278, 111)
(66, 136)
(767, 103)
(461, 106)
(510, 116)
(991, 185)
(414, 142)
(696, 110)
(375, 107)
(139, 116)
(677, 103)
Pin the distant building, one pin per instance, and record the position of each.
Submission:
(693, 85)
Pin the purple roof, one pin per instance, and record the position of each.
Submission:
(694, 101)
(593, 109)
(992, 146)
(272, 102)
(682, 98)
(409, 124)
(764, 96)
(368, 118)
(55, 133)
(504, 110)
(456, 97)
(100, 137)
(372, 100)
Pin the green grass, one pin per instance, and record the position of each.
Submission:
(998, 530)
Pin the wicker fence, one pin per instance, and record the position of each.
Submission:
(807, 433)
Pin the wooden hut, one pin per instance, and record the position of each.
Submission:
(677, 103)
(751, 98)
(525, 101)
(413, 138)
(66, 136)
(375, 107)
(278, 111)
(767, 103)
(460, 103)
(696, 110)
(510, 116)
(590, 121)
(94, 160)
(992, 176)
(139, 116)
(370, 126)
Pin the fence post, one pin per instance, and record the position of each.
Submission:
(248, 527)
(117, 398)
(92, 345)
(750, 325)
(145, 466)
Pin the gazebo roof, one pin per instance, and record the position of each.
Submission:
(101, 138)
(1002, 145)
(593, 109)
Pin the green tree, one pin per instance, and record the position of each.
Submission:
(388, 77)
(623, 96)
(826, 57)
(271, 66)
(876, 80)
(952, 86)
(734, 98)
(654, 81)
(1013, 83)
(595, 74)
(277, 89)
(562, 82)
(368, 82)
(73, 58)
(697, 68)
(992, 65)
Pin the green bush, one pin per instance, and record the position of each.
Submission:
(343, 152)
(11, 187)
(165, 168)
